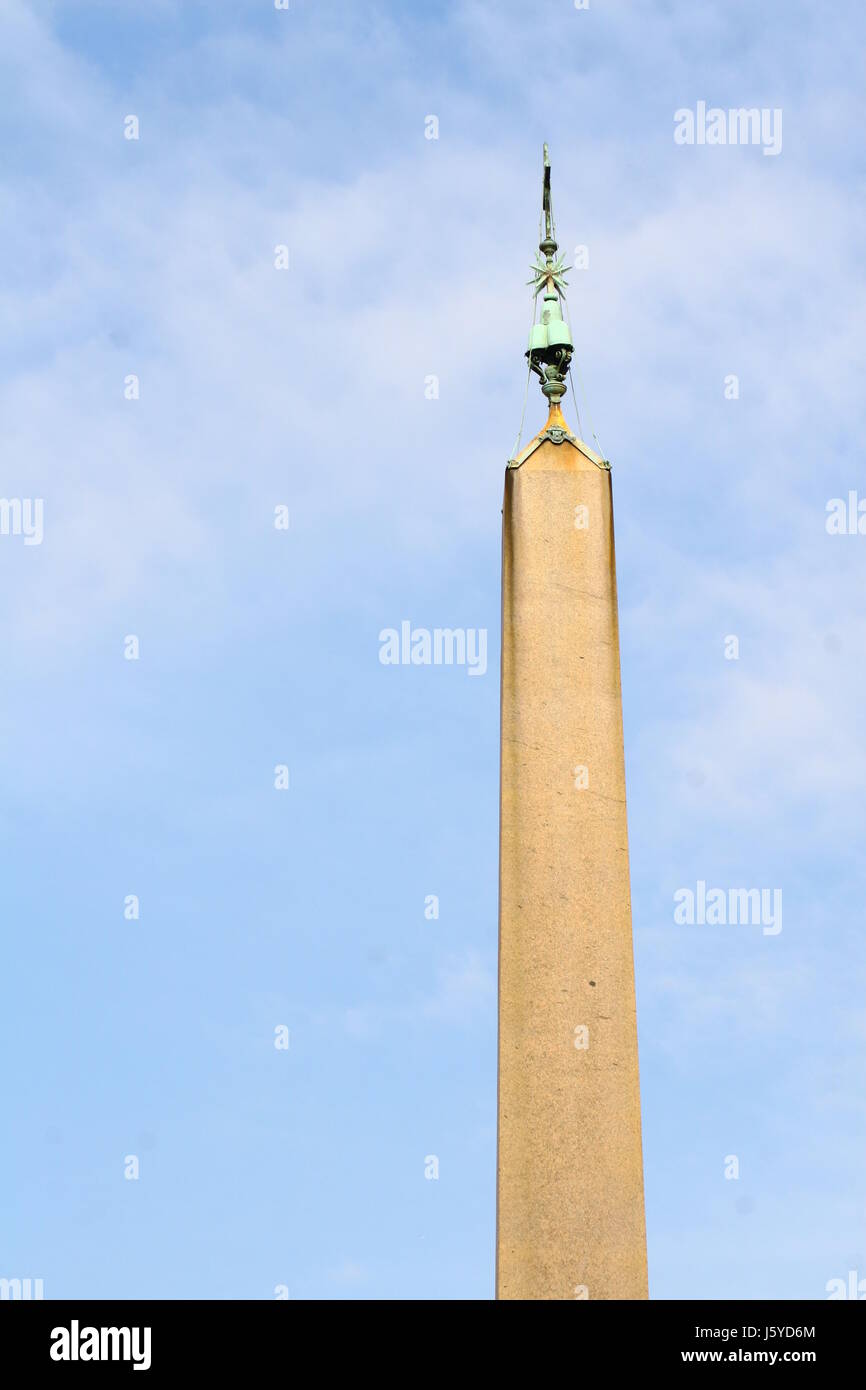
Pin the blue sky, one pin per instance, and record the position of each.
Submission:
(408, 258)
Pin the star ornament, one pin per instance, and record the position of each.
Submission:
(542, 272)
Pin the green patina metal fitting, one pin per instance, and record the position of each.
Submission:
(550, 343)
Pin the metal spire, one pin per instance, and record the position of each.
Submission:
(550, 344)
(549, 229)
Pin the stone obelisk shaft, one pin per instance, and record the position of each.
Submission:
(570, 1176)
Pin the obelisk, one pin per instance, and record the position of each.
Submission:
(570, 1204)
